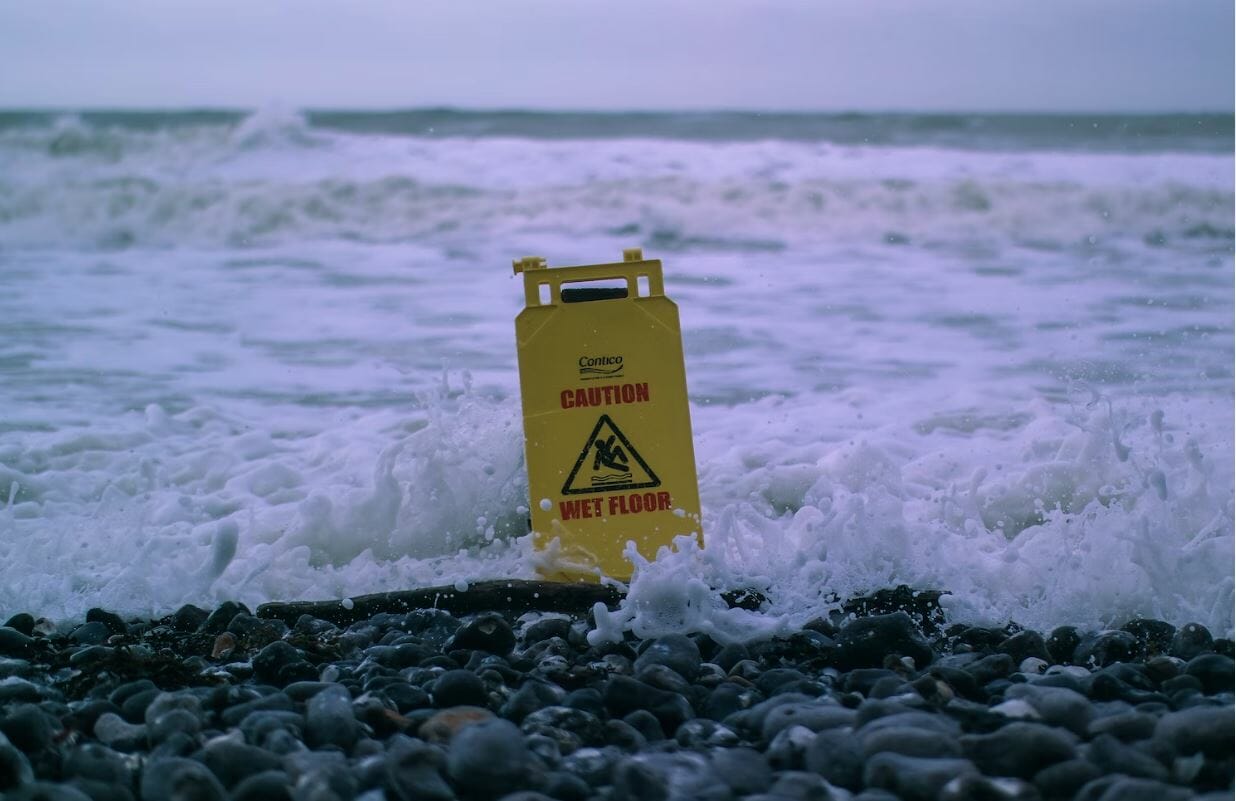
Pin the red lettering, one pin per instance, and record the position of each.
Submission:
(636, 502)
(568, 510)
(596, 506)
(604, 396)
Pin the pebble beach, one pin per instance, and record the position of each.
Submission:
(223, 704)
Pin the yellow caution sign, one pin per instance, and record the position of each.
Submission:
(607, 428)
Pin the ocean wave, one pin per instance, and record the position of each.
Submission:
(272, 178)
(667, 213)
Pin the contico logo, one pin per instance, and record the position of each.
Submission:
(591, 367)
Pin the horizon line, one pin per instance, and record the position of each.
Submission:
(546, 110)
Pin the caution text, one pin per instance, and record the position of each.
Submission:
(607, 395)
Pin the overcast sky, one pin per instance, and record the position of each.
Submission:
(1031, 55)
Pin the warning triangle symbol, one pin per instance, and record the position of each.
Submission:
(608, 463)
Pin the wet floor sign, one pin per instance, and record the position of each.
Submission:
(606, 424)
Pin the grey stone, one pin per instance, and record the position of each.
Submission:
(1214, 671)
(1058, 706)
(802, 786)
(1104, 647)
(917, 720)
(459, 688)
(15, 769)
(486, 632)
(1061, 644)
(14, 643)
(971, 787)
(914, 778)
(624, 695)
(836, 755)
(1191, 640)
(232, 761)
(1024, 645)
(745, 770)
(675, 651)
(684, 776)
(488, 757)
(1204, 729)
(47, 791)
(414, 771)
(90, 634)
(115, 732)
(29, 728)
(1127, 726)
(814, 715)
(97, 762)
(702, 733)
(174, 778)
(1019, 749)
(1064, 779)
(270, 785)
(909, 741)
(1113, 756)
(866, 641)
(329, 719)
(1123, 788)
(788, 749)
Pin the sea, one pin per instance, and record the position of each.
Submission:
(269, 355)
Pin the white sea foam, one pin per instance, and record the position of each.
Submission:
(270, 361)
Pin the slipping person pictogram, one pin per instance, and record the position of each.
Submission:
(615, 464)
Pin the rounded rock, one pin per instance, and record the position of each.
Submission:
(488, 758)
(97, 762)
(1214, 671)
(836, 755)
(867, 641)
(47, 791)
(329, 719)
(23, 622)
(459, 688)
(15, 769)
(1061, 644)
(914, 778)
(175, 777)
(1191, 640)
(114, 623)
(677, 652)
(1105, 647)
(270, 785)
(14, 643)
(233, 761)
(273, 658)
(29, 728)
(488, 632)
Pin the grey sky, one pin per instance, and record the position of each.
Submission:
(1109, 55)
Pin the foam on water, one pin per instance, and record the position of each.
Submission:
(267, 360)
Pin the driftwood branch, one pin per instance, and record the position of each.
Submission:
(518, 595)
(505, 595)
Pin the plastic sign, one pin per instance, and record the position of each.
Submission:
(607, 429)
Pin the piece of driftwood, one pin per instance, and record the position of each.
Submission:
(522, 595)
(504, 595)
